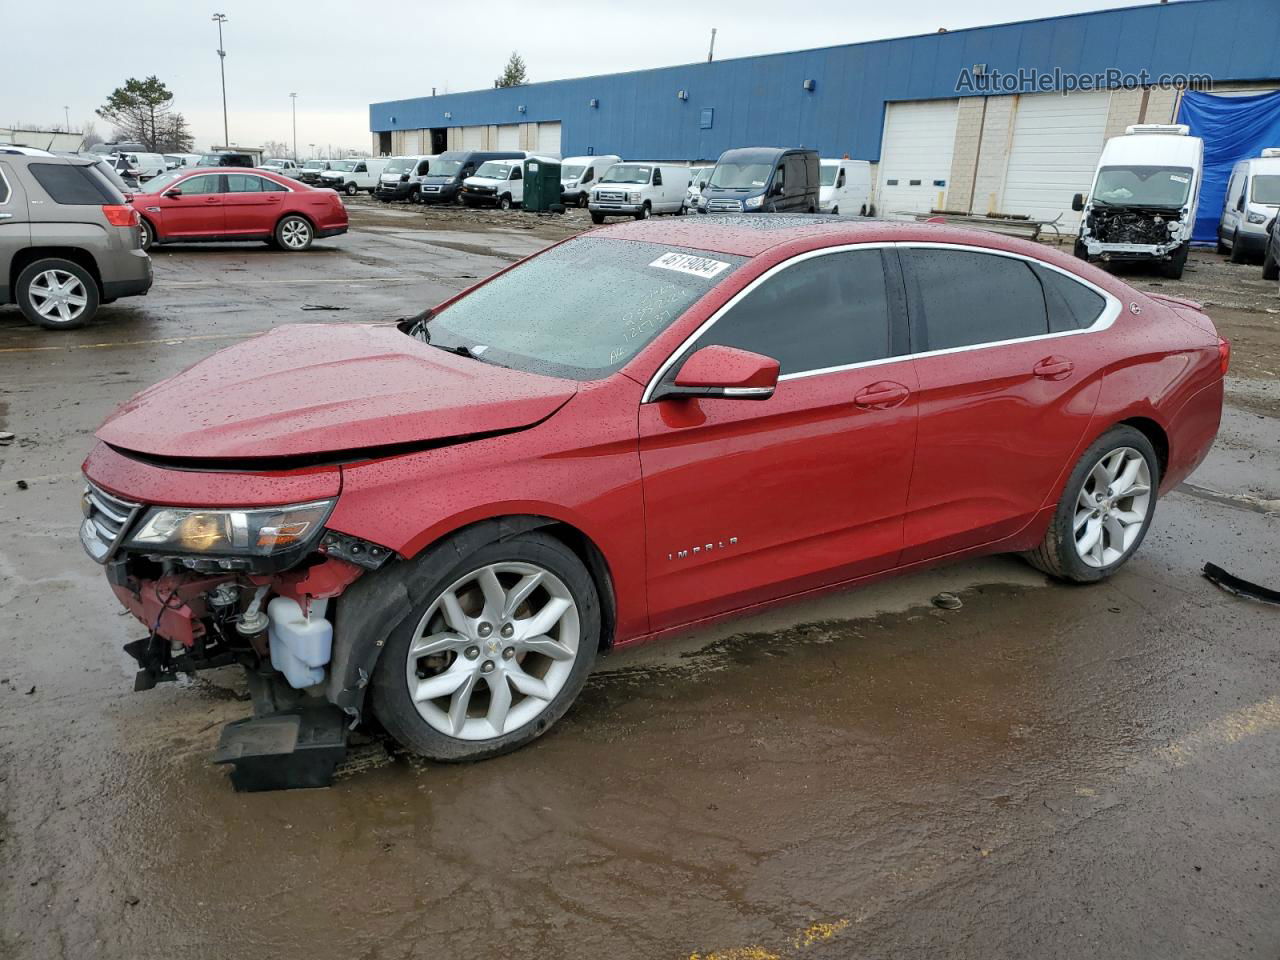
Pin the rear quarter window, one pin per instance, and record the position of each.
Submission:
(74, 184)
(4, 187)
(1072, 305)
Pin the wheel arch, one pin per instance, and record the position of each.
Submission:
(24, 258)
(1154, 432)
(377, 604)
(293, 213)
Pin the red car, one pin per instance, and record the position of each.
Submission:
(639, 429)
(224, 203)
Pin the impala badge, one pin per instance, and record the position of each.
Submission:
(703, 548)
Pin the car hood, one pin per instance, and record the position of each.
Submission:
(307, 389)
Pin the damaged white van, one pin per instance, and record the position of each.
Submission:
(1142, 207)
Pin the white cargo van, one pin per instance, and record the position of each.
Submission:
(498, 183)
(1142, 207)
(845, 187)
(177, 160)
(579, 174)
(148, 165)
(1251, 203)
(698, 177)
(402, 178)
(352, 176)
(639, 189)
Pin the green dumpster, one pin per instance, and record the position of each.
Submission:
(541, 184)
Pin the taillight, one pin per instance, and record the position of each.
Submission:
(1224, 355)
(120, 216)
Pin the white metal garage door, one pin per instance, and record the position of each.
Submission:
(915, 156)
(549, 138)
(1053, 152)
(473, 138)
(509, 136)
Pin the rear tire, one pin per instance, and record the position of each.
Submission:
(148, 234)
(464, 722)
(1116, 507)
(57, 294)
(294, 233)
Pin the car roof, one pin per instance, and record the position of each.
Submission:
(751, 235)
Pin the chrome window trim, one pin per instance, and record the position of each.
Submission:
(259, 176)
(1105, 319)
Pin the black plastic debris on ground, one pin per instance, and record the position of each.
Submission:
(1241, 588)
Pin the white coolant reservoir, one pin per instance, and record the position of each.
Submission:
(300, 644)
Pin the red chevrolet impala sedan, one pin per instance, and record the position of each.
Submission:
(229, 203)
(639, 429)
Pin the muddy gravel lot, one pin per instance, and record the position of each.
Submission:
(1047, 771)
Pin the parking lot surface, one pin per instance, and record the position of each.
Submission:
(1045, 771)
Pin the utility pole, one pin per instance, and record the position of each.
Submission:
(294, 97)
(711, 51)
(220, 19)
(67, 111)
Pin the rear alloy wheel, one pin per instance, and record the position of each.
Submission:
(57, 294)
(495, 656)
(294, 233)
(1105, 510)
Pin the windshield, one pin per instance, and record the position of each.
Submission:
(277, 162)
(1265, 189)
(829, 172)
(343, 166)
(163, 181)
(494, 170)
(399, 165)
(582, 309)
(1143, 186)
(741, 176)
(446, 168)
(572, 173)
(627, 173)
(313, 165)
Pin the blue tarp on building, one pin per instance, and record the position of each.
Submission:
(1233, 129)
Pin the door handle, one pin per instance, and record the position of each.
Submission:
(1053, 368)
(273, 199)
(211, 200)
(881, 396)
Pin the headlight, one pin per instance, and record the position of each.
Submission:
(753, 203)
(1255, 217)
(633, 198)
(249, 533)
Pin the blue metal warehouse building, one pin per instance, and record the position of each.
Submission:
(892, 102)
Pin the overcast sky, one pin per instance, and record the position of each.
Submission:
(341, 56)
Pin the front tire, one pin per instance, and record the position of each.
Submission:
(1270, 268)
(1105, 510)
(57, 294)
(504, 202)
(1237, 250)
(645, 212)
(494, 655)
(597, 218)
(1173, 267)
(351, 189)
(294, 233)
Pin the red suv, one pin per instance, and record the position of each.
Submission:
(201, 205)
(641, 428)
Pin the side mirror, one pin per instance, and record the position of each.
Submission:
(702, 185)
(726, 372)
(776, 191)
(1077, 202)
(175, 192)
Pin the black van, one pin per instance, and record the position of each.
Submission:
(448, 170)
(762, 179)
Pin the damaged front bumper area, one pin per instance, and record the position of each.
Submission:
(1132, 233)
(217, 587)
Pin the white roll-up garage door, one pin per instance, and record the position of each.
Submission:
(549, 138)
(915, 156)
(412, 142)
(509, 136)
(1053, 153)
(473, 138)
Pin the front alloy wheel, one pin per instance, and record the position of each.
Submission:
(496, 656)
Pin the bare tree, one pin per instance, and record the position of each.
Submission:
(275, 148)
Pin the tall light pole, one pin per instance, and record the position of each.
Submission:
(67, 111)
(294, 97)
(220, 19)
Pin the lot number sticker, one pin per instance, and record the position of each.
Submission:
(688, 263)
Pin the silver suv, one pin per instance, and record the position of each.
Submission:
(69, 240)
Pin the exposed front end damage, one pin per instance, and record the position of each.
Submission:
(1133, 233)
(220, 587)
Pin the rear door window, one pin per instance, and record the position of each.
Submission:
(826, 311)
(960, 298)
(249, 183)
(74, 184)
